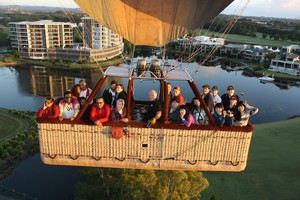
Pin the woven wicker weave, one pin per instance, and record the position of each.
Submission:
(146, 148)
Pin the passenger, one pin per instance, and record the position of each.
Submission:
(174, 114)
(219, 114)
(232, 105)
(121, 94)
(214, 93)
(68, 107)
(49, 110)
(118, 114)
(154, 110)
(109, 94)
(177, 94)
(86, 114)
(76, 91)
(222, 118)
(100, 112)
(170, 91)
(198, 112)
(85, 91)
(187, 118)
(226, 97)
(207, 97)
(245, 111)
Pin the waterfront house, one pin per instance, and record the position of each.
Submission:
(288, 63)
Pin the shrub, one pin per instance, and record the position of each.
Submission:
(4, 154)
(22, 143)
(30, 138)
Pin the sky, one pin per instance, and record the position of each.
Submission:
(267, 8)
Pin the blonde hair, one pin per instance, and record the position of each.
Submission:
(121, 100)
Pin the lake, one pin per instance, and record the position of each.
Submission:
(25, 88)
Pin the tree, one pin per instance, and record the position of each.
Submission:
(264, 36)
(276, 37)
(140, 184)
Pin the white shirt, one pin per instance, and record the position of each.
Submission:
(83, 93)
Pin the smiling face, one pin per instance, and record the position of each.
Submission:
(175, 104)
(215, 92)
(182, 112)
(100, 102)
(241, 108)
(68, 98)
(219, 111)
(230, 92)
(176, 92)
(119, 105)
(197, 102)
(205, 91)
(119, 89)
(152, 95)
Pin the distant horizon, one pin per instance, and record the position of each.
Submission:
(286, 9)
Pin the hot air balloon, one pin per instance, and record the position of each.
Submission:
(163, 146)
(152, 22)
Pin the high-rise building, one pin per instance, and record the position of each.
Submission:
(96, 36)
(35, 39)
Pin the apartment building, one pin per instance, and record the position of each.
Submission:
(34, 39)
(96, 36)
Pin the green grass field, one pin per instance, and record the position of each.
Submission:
(252, 40)
(10, 124)
(273, 170)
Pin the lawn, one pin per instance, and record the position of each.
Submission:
(273, 167)
(251, 40)
(11, 124)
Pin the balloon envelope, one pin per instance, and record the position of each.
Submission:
(152, 22)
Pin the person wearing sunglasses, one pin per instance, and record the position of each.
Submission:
(68, 107)
(49, 110)
(100, 112)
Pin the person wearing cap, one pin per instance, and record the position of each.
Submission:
(226, 97)
(215, 95)
(245, 111)
(109, 94)
(207, 97)
(177, 94)
(174, 115)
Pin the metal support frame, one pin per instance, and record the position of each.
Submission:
(91, 97)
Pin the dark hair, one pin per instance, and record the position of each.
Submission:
(121, 85)
(183, 107)
(193, 106)
(240, 103)
(73, 91)
(67, 92)
(219, 105)
(175, 99)
(113, 82)
(80, 98)
(50, 99)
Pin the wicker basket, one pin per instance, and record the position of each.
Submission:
(146, 148)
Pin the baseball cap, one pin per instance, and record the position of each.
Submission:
(230, 87)
(206, 86)
(215, 88)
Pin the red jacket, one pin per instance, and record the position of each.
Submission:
(103, 114)
(52, 112)
(181, 99)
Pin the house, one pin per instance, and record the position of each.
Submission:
(257, 55)
(233, 50)
(288, 63)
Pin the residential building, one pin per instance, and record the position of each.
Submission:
(96, 36)
(233, 50)
(34, 39)
(288, 63)
(257, 55)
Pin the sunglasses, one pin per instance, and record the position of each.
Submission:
(68, 97)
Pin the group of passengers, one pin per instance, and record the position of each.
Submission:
(226, 110)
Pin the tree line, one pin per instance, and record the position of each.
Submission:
(275, 29)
